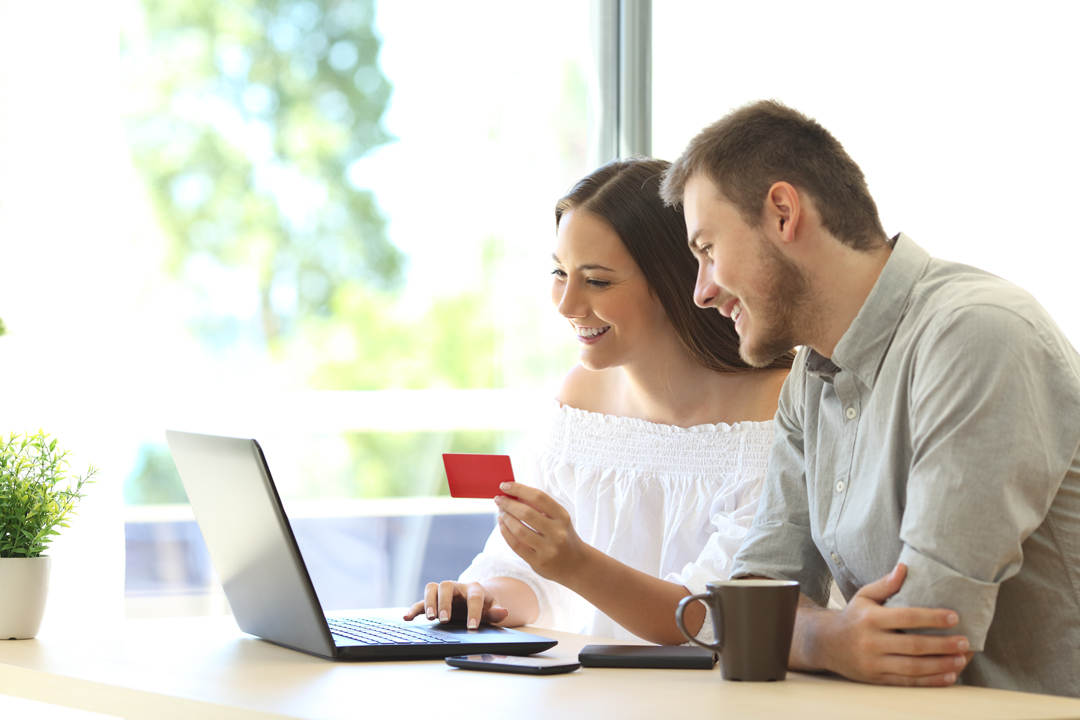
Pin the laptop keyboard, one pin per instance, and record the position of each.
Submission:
(374, 632)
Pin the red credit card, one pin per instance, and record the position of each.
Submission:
(477, 476)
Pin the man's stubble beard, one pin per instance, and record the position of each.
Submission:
(784, 315)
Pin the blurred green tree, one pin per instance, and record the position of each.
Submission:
(154, 480)
(246, 117)
(368, 343)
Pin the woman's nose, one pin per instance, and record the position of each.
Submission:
(570, 305)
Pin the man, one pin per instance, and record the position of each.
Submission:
(925, 449)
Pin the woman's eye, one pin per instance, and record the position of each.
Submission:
(597, 283)
(558, 273)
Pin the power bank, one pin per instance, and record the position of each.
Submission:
(477, 476)
(647, 656)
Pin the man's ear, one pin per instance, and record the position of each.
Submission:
(783, 210)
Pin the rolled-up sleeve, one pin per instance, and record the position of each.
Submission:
(990, 446)
(780, 544)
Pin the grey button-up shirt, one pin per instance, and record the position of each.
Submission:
(943, 433)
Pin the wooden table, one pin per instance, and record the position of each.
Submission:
(207, 668)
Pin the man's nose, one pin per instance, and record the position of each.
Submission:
(705, 290)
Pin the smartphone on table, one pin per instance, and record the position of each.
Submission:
(527, 664)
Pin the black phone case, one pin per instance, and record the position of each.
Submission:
(465, 664)
(647, 656)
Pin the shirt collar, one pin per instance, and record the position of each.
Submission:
(862, 347)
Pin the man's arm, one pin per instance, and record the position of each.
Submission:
(989, 452)
(780, 541)
(867, 642)
(862, 641)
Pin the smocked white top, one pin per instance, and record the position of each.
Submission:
(669, 501)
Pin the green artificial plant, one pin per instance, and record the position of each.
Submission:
(37, 493)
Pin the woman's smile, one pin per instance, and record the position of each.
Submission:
(590, 335)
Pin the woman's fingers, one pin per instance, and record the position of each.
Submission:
(431, 600)
(530, 496)
(517, 534)
(477, 600)
(416, 609)
(468, 603)
(448, 591)
(524, 512)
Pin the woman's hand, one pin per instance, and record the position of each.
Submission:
(470, 603)
(539, 530)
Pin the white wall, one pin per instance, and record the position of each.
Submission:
(963, 115)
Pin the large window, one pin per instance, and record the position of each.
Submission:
(324, 224)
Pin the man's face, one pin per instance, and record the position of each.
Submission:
(744, 275)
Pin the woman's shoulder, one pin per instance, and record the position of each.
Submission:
(589, 390)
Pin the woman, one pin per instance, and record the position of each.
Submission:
(652, 469)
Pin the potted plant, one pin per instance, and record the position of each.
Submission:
(37, 496)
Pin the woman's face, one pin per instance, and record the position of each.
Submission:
(600, 290)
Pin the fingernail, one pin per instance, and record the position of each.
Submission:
(431, 613)
(952, 618)
(504, 486)
(962, 646)
(958, 661)
(473, 623)
(499, 499)
(444, 616)
(950, 678)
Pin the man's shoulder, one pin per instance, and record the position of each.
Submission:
(954, 285)
(958, 313)
(950, 293)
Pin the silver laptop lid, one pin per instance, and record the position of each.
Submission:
(237, 507)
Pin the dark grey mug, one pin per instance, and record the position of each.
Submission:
(753, 621)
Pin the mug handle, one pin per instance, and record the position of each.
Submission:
(718, 647)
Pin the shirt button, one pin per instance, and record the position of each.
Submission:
(839, 486)
(835, 558)
(851, 412)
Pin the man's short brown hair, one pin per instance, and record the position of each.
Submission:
(766, 142)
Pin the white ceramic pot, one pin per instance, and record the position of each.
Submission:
(24, 587)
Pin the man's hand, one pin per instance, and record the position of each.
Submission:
(866, 641)
(539, 530)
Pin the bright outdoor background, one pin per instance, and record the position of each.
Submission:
(326, 224)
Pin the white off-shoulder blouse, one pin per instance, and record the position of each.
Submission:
(672, 502)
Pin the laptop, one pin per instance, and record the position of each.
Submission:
(251, 543)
